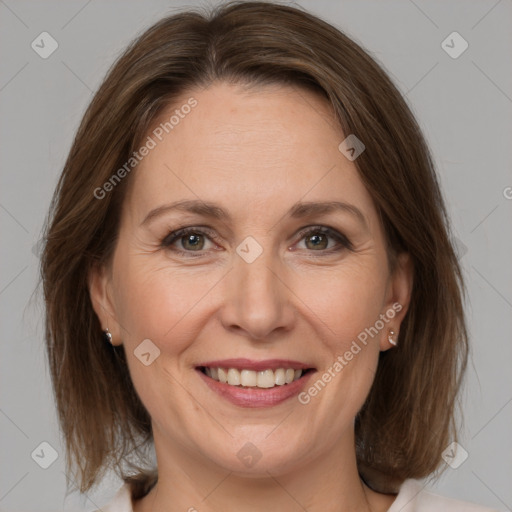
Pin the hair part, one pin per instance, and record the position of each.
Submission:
(408, 417)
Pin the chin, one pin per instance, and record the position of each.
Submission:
(256, 459)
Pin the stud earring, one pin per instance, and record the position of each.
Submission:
(108, 335)
(390, 338)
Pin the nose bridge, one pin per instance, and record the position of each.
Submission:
(258, 277)
(259, 301)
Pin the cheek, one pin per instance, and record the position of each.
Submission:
(347, 300)
(347, 304)
(159, 301)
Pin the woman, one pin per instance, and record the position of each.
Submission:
(250, 214)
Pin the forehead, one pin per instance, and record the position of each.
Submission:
(272, 145)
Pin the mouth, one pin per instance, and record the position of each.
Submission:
(245, 378)
(247, 383)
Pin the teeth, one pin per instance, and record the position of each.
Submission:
(222, 375)
(248, 378)
(233, 377)
(264, 379)
(280, 376)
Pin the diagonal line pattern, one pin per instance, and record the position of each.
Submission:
(12, 488)
(14, 76)
(217, 486)
(286, 491)
(508, 507)
(13, 279)
(279, 424)
(421, 79)
(492, 81)
(501, 408)
(73, 17)
(14, 218)
(76, 76)
(15, 424)
(485, 218)
(424, 14)
(14, 14)
(491, 285)
(486, 14)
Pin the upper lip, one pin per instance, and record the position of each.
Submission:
(250, 364)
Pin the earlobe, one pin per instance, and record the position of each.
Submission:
(100, 293)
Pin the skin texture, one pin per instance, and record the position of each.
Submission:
(255, 152)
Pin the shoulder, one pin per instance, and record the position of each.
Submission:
(413, 497)
(122, 501)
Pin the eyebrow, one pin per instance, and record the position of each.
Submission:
(297, 211)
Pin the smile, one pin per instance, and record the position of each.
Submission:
(253, 379)
(249, 383)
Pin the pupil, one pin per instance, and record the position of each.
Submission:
(317, 240)
(189, 239)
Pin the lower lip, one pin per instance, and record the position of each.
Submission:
(256, 397)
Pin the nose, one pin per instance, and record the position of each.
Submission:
(258, 301)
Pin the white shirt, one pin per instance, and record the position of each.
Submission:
(411, 498)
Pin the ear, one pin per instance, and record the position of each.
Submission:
(399, 297)
(100, 292)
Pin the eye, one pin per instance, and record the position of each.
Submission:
(317, 239)
(188, 240)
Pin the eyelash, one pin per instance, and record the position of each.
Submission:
(343, 241)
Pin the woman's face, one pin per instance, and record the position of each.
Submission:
(272, 276)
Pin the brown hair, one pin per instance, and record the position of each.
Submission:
(408, 417)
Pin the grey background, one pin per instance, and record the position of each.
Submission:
(464, 106)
